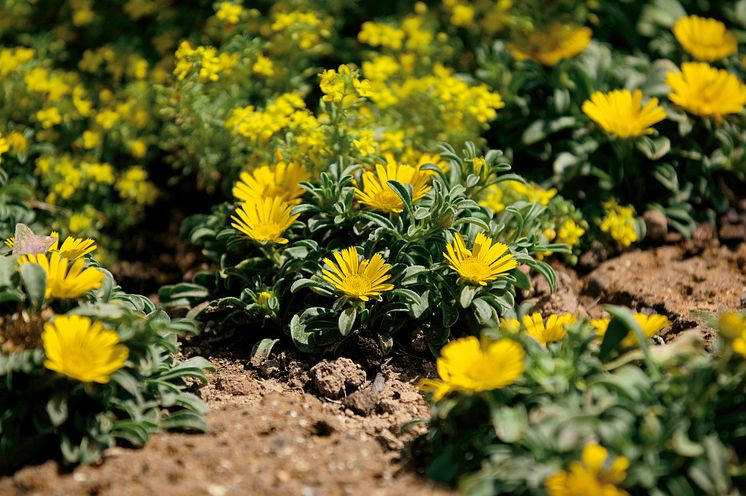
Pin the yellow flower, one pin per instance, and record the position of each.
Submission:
(570, 233)
(705, 39)
(82, 349)
(91, 140)
(229, 12)
(532, 192)
(18, 142)
(49, 118)
(466, 365)
(554, 329)
(263, 66)
(706, 91)
(620, 112)
(379, 195)
(138, 148)
(548, 46)
(732, 325)
(492, 198)
(595, 475)
(65, 279)
(484, 263)
(283, 180)
(650, 325)
(73, 248)
(356, 278)
(264, 220)
(619, 222)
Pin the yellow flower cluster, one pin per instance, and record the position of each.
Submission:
(551, 44)
(133, 184)
(204, 61)
(12, 58)
(307, 29)
(229, 12)
(342, 86)
(619, 223)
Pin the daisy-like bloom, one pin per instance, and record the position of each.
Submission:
(282, 180)
(706, 91)
(704, 38)
(548, 46)
(484, 263)
(356, 278)
(621, 112)
(554, 329)
(264, 220)
(73, 248)
(467, 365)
(65, 278)
(377, 194)
(82, 349)
(595, 474)
(650, 325)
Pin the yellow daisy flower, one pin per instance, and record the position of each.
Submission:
(706, 91)
(356, 278)
(594, 475)
(650, 325)
(548, 46)
(73, 248)
(82, 349)
(264, 220)
(553, 330)
(468, 366)
(65, 279)
(484, 263)
(704, 38)
(378, 195)
(282, 180)
(621, 112)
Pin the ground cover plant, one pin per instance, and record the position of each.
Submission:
(377, 181)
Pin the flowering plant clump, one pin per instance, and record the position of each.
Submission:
(83, 365)
(587, 412)
(370, 250)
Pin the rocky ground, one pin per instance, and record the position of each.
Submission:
(288, 427)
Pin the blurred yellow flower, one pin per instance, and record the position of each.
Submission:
(650, 325)
(621, 112)
(281, 180)
(553, 330)
(570, 233)
(706, 91)
(596, 475)
(377, 194)
(49, 117)
(468, 366)
(484, 263)
(264, 220)
(704, 38)
(82, 349)
(65, 279)
(550, 45)
(229, 12)
(356, 278)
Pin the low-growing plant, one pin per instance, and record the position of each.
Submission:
(366, 250)
(83, 365)
(569, 406)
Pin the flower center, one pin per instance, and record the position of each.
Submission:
(266, 232)
(356, 285)
(388, 200)
(474, 269)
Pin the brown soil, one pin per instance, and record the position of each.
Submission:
(286, 427)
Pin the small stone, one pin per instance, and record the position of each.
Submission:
(335, 378)
(656, 226)
(362, 402)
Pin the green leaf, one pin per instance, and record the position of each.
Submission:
(467, 295)
(57, 408)
(185, 421)
(346, 320)
(35, 280)
(262, 349)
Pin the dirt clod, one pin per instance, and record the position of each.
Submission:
(656, 226)
(336, 378)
